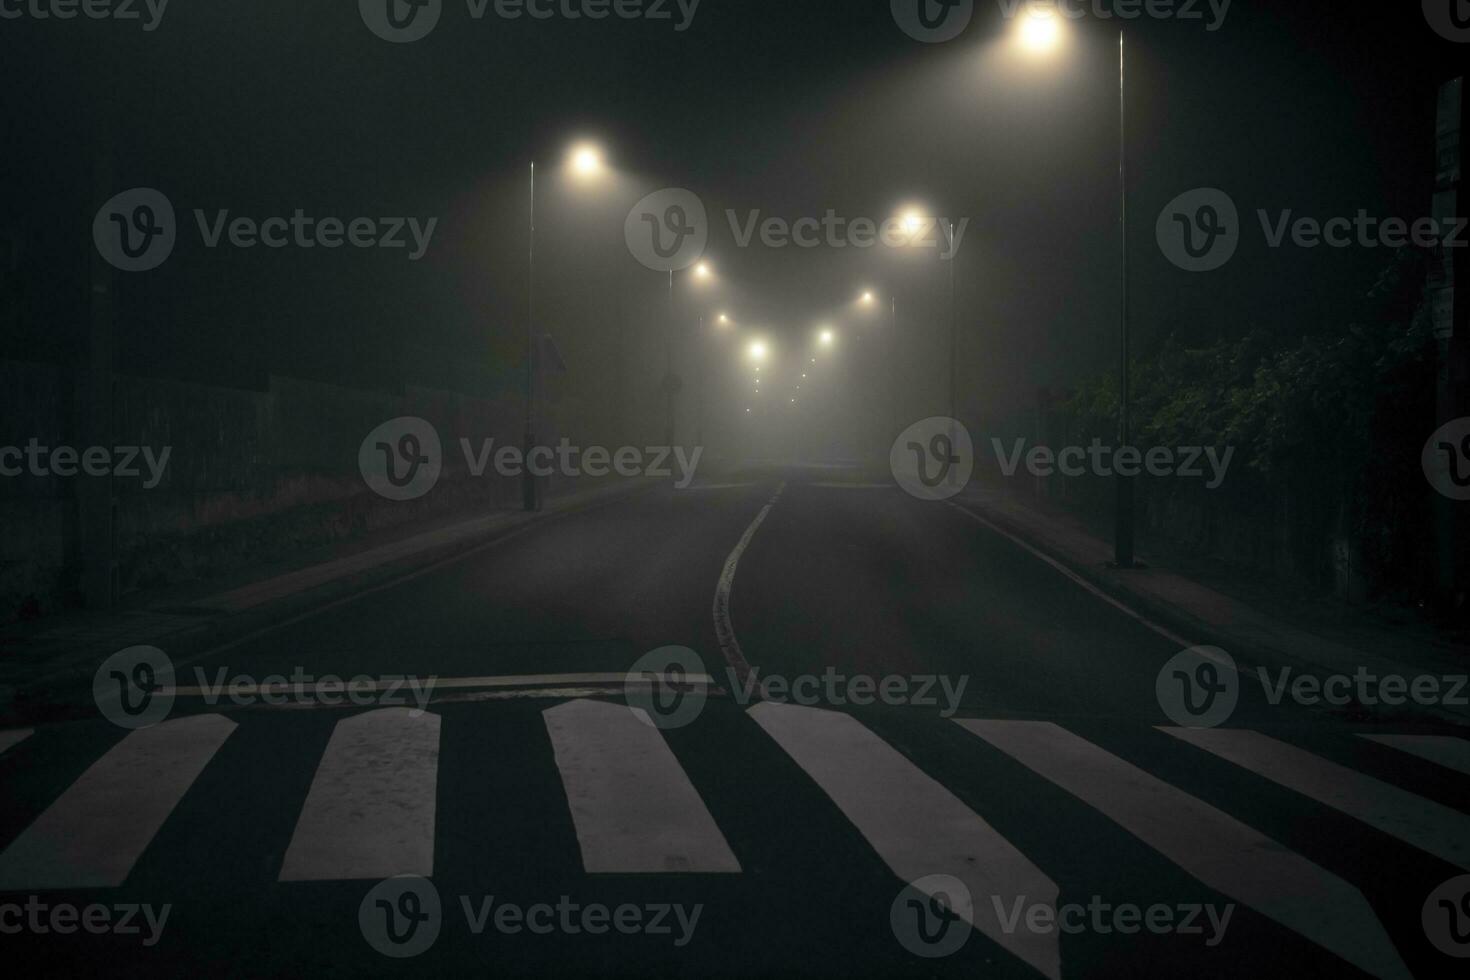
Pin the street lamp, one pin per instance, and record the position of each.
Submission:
(584, 162)
(702, 273)
(913, 222)
(1039, 33)
(826, 338)
(1041, 30)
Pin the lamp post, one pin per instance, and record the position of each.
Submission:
(1041, 31)
(914, 222)
(585, 162)
(528, 480)
(701, 271)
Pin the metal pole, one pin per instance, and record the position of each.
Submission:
(953, 394)
(1123, 534)
(954, 475)
(700, 354)
(669, 368)
(528, 481)
(893, 364)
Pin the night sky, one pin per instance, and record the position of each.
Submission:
(788, 107)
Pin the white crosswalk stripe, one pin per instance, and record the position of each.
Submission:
(10, 739)
(1212, 846)
(888, 799)
(634, 807)
(371, 807)
(1412, 819)
(95, 832)
(1444, 750)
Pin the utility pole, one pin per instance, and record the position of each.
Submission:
(528, 479)
(1123, 534)
(1450, 307)
(97, 381)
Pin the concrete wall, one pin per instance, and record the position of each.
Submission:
(252, 476)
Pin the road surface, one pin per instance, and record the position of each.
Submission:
(958, 765)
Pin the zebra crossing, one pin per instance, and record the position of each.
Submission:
(375, 804)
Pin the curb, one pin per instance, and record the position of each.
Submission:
(58, 692)
(1246, 652)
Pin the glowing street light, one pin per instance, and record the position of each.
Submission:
(586, 160)
(702, 271)
(867, 298)
(757, 350)
(1040, 30)
(724, 319)
(826, 338)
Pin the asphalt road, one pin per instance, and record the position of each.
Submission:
(1021, 752)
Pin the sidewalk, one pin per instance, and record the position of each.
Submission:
(1206, 614)
(40, 658)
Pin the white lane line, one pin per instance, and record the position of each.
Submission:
(366, 684)
(916, 826)
(13, 737)
(724, 628)
(1421, 823)
(633, 805)
(1209, 844)
(95, 831)
(1167, 634)
(371, 807)
(1444, 750)
(714, 486)
(853, 486)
